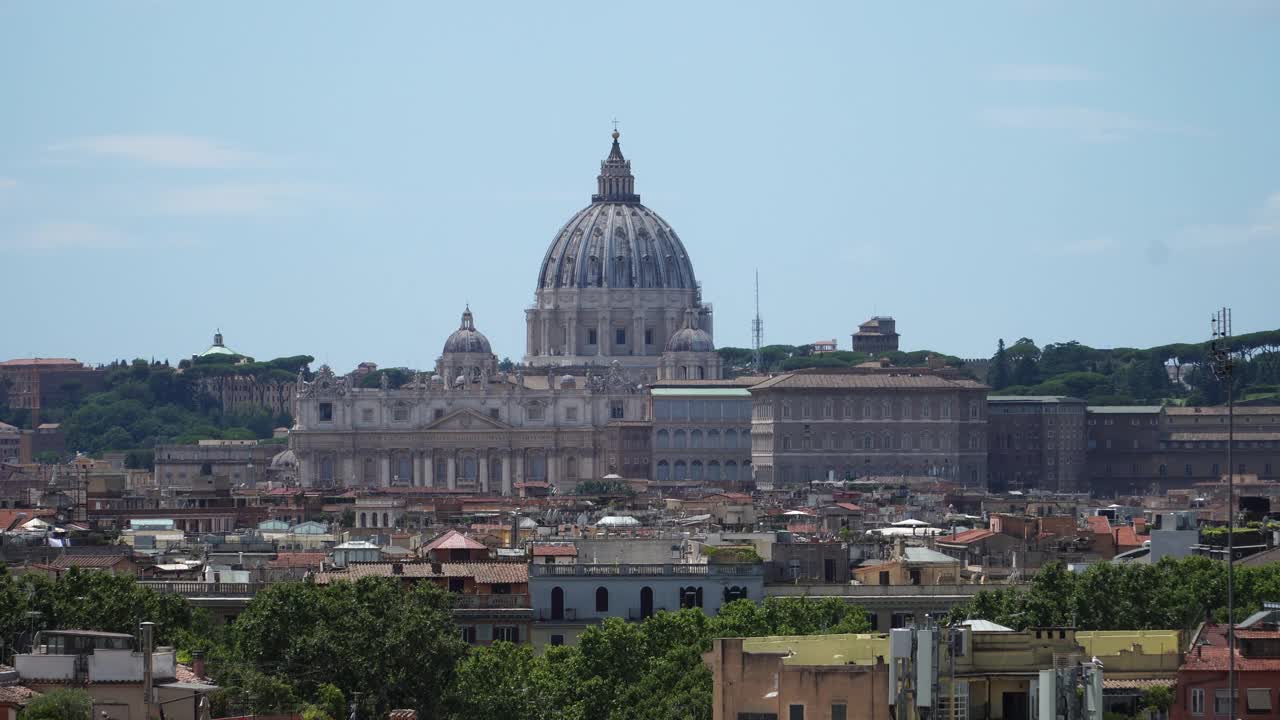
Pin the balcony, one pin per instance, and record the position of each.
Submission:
(648, 570)
(491, 602)
(100, 666)
(192, 589)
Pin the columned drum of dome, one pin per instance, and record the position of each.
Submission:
(614, 284)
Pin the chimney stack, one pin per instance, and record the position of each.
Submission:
(397, 568)
(197, 663)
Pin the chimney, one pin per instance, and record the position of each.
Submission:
(197, 663)
(397, 568)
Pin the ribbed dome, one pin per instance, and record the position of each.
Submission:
(467, 339)
(615, 241)
(690, 338)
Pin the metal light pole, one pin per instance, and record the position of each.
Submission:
(1223, 368)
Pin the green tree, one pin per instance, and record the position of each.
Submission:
(60, 704)
(998, 375)
(396, 647)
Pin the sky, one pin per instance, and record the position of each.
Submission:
(339, 179)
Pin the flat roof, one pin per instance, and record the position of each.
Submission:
(1125, 409)
(700, 392)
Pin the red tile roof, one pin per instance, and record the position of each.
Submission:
(563, 550)
(1128, 537)
(1099, 524)
(64, 562)
(8, 516)
(453, 540)
(1214, 657)
(968, 536)
(849, 506)
(16, 694)
(484, 573)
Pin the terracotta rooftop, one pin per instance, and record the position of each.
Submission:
(1214, 657)
(561, 550)
(297, 560)
(909, 378)
(64, 562)
(1099, 524)
(966, 537)
(484, 573)
(849, 506)
(453, 540)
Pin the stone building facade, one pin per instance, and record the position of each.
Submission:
(1036, 442)
(701, 432)
(477, 432)
(871, 420)
(1153, 449)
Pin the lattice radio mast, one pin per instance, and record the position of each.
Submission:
(757, 331)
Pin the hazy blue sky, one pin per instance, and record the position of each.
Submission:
(338, 179)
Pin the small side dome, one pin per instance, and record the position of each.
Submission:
(284, 460)
(466, 339)
(691, 338)
(568, 381)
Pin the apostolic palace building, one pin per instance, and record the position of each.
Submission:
(617, 308)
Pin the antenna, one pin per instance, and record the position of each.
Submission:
(757, 331)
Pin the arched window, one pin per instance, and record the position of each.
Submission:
(468, 467)
(827, 409)
(786, 409)
(602, 599)
(786, 442)
(906, 441)
(713, 438)
(326, 469)
(664, 470)
(695, 439)
(731, 470)
(848, 409)
(646, 602)
(973, 410)
(364, 521)
(946, 409)
(888, 442)
(866, 410)
(868, 441)
(805, 410)
(713, 470)
(702, 373)
(735, 592)
(906, 409)
(681, 440)
(373, 520)
(386, 520)
(557, 603)
(924, 408)
(537, 469)
(886, 409)
(695, 470)
(682, 471)
(664, 439)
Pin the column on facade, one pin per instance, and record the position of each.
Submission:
(637, 335)
(602, 337)
(571, 335)
(545, 332)
(306, 470)
(519, 477)
(348, 470)
(553, 467)
(506, 473)
(386, 468)
(453, 471)
(419, 477)
(483, 459)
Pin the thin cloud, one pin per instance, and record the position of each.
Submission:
(1087, 123)
(239, 198)
(1262, 226)
(1040, 73)
(170, 151)
(67, 235)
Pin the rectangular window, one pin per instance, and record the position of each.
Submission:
(1197, 701)
(1258, 699)
(326, 412)
(840, 711)
(557, 640)
(571, 414)
(533, 412)
(616, 411)
(795, 712)
(366, 415)
(591, 336)
(493, 413)
(648, 336)
(1222, 702)
(469, 634)
(620, 336)
(506, 633)
(438, 413)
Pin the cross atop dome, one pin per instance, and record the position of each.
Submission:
(615, 183)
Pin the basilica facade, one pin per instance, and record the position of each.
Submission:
(617, 307)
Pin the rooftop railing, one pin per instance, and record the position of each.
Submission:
(647, 569)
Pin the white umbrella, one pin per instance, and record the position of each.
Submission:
(911, 523)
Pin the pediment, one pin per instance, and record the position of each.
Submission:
(467, 419)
